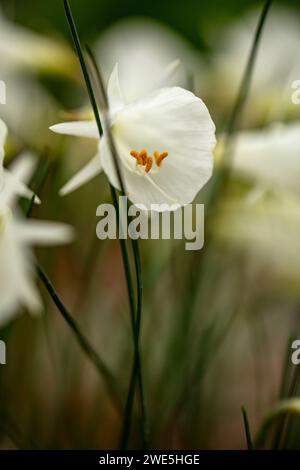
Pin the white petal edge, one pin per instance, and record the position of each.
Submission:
(86, 174)
(14, 187)
(114, 93)
(77, 128)
(20, 172)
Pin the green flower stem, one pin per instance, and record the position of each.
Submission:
(248, 433)
(136, 375)
(81, 339)
(135, 316)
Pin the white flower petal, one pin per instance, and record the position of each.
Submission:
(88, 172)
(114, 94)
(30, 295)
(77, 128)
(23, 167)
(16, 272)
(14, 188)
(36, 232)
(20, 172)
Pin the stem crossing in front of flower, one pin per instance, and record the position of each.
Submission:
(135, 312)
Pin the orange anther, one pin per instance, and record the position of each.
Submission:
(144, 156)
(149, 164)
(160, 157)
(136, 155)
(143, 159)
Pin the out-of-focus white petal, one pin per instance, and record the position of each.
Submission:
(34, 232)
(77, 128)
(168, 74)
(271, 85)
(267, 230)
(114, 94)
(270, 156)
(20, 172)
(28, 98)
(16, 285)
(22, 168)
(30, 295)
(143, 49)
(88, 172)
(21, 48)
(3, 134)
(14, 188)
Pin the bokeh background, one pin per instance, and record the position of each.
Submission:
(217, 324)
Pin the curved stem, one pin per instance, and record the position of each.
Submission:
(136, 373)
(81, 339)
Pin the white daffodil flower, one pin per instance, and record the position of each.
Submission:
(17, 235)
(164, 141)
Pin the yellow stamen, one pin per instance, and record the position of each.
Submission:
(149, 164)
(143, 159)
(159, 157)
(137, 156)
(144, 156)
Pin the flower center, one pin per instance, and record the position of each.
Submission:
(143, 159)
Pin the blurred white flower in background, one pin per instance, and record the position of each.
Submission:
(29, 111)
(9, 180)
(23, 49)
(164, 141)
(17, 234)
(143, 49)
(268, 232)
(25, 55)
(270, 156)
(266, 222)
(277, 64)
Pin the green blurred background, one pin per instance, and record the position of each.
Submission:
(192, 18)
